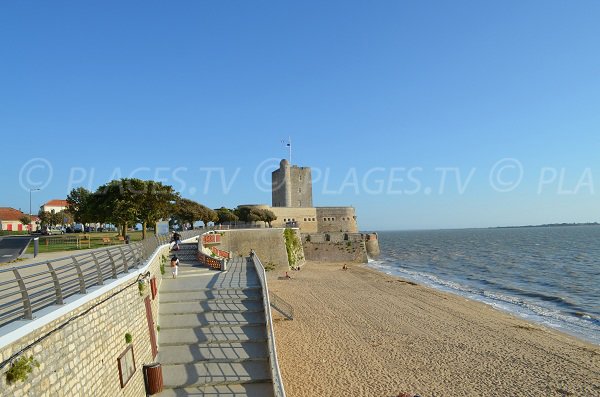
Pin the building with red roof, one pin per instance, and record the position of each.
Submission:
(54, 205)
(10, 220)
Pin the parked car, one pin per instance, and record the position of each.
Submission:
(78, 228)
(48, 231)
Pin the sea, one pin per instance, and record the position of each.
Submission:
(547, 275)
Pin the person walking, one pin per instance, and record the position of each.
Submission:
(174, 265)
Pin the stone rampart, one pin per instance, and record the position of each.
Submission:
(269, 244)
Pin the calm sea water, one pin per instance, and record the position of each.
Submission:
(549, 275)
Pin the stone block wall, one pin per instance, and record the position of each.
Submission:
(269, 244)
(78, 352)
(335, 251)
(336, 219)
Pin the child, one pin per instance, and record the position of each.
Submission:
(174, 265)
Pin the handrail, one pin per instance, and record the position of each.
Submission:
(42, 284)
(278, 388)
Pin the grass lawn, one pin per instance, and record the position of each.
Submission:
(78, 241)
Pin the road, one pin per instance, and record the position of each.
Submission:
(12, 246)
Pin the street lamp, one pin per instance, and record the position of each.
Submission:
(32, 190)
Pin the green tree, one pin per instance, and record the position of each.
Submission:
(187, 211)
(25, 220)
(248, 214)
(63, 218)
(267, 216)
(44, 217)
(208, 215)
(157, 203)
(225, 215)
(120, 202)
(78, 205)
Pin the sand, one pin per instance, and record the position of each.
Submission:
(359, 332)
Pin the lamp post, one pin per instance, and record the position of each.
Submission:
(31, 190)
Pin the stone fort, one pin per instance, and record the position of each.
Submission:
(292, 203)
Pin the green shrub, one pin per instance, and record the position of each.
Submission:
(128, 338)
(269, 266)
(141, 287)
(20, 369)
(163, 261)
(293, 247)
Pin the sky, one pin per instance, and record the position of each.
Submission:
(420, 114)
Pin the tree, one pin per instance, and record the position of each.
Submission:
(157, 203)
(267, 216)
(226, 215)
(26, 220)
(187, 211)
(78, 205)
(63, 217)
(120, 202)
(208, 215)
(247, 214)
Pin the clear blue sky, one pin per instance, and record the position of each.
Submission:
(388, 101)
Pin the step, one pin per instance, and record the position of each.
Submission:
(211, 374)
(227, 334)
(178, 296)
(264, 389)
(208, 306)
(167, 321)
(222, 352)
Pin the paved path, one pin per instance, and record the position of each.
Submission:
(12, 247)
(213, 338)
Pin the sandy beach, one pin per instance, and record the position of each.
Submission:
(358, 332)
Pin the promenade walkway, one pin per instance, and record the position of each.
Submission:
(212, 335)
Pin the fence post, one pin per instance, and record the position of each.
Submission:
(112, 263)
(125, 267)
(79, 275)
(24, 296)
(133, 254)
(57, 289)
(98, 270)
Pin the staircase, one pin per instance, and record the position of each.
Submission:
(212, 339)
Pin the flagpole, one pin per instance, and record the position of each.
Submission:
(290, 147)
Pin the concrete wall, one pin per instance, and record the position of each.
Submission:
(336, 219)
(268, 244)
(78, 351)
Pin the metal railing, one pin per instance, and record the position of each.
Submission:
(278, 388)
(281, 306)
(29, 288)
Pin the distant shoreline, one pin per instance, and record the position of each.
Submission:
(547, 225)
